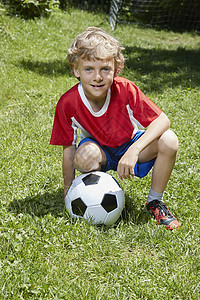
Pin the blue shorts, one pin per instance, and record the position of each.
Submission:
(113, 156)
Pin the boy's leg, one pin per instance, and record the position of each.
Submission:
(89, 157)
(165, 148)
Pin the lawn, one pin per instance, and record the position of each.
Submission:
(46, 255)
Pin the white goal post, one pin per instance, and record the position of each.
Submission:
(114, 11)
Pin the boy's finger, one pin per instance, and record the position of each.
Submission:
(119, 173)
(131, 171)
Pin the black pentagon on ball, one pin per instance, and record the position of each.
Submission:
(109, 202)
(91, 179)
(78, 207)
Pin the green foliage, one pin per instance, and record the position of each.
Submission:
(43, 253)
(91, 5)
(30, 9)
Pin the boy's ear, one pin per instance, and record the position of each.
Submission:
(76, 72)
(116, 73)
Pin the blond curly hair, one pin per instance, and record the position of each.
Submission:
(96, 44)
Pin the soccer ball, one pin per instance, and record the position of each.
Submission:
(96, 197)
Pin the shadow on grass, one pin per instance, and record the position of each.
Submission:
(155, 68)
(134, 212)
(53, 203)
(158, 69)
(51, 68)
(40, 205)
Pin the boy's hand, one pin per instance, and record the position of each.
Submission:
(127, 162)
(125, 168)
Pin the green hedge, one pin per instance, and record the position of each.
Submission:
(30, 9)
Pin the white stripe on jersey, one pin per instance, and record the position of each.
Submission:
(75, 126)
(134, 122)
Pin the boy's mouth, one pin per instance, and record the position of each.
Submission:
(97, 85)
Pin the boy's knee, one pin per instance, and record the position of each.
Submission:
(168, 142)
(87, 158)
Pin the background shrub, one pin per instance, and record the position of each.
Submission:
(30, 9)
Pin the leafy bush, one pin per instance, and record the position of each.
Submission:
(91, 5)
(30, 9)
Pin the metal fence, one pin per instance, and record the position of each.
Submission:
(177, 14)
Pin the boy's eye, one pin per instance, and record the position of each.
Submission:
(88, 69)
(106, 69)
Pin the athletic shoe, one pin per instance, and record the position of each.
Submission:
(162, 214)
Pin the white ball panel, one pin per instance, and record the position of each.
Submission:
(92, 195)
(120, 199)
(68, 205)
(108, 183)
(95, 214)
(112, 216)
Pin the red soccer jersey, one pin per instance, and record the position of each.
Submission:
(125, 108)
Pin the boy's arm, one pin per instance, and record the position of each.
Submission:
(68, 167)
(155, 129)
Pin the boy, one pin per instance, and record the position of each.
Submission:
(108, 109)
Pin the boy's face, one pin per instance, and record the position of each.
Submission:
(96, 77)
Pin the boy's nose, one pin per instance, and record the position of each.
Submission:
(98, 77)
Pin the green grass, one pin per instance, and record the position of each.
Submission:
(43, 253)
